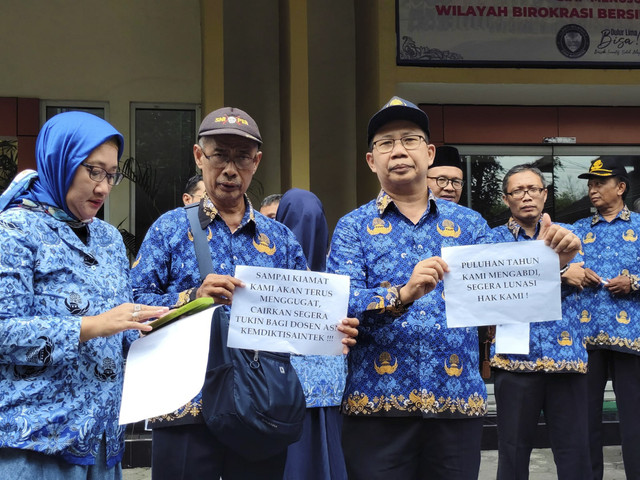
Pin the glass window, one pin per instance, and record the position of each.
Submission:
(567, 200)
(49, 108)
(50, 111)
(163, 138)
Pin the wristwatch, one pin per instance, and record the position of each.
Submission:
(564, 269)
(397, 306)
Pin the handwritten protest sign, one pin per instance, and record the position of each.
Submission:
(503, 283)
(291, 311)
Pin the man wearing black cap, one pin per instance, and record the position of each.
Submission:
(611, 308)
(228, 153)
(446, 177)
(414, 399)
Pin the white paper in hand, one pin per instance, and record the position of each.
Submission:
(166, 369)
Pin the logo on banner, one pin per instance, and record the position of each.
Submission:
(572, 41)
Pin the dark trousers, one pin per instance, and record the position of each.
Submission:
(624, 369)
(411, 448)
(520, 397)
(318, 454)
(191, 452)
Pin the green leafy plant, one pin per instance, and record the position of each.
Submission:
(8, 162)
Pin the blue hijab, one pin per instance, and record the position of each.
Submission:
(64, 142)
(302, 212)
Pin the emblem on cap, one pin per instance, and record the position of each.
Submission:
(231, 120)
(395, 101)
(597, 168)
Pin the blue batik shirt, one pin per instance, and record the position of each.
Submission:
(554, 346)
(610, 249)
(59, 396)
(166, 273)
(406, 364)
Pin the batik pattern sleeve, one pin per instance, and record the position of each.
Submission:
(165, 272)
(58, 395)
(611, 249)
(27, 336)
(347, 257)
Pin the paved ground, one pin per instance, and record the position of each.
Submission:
(542, 466)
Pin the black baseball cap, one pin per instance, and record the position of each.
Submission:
(397, 109)
(230, 121)
(605, 167)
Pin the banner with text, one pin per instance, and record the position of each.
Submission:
(502, 283)
(519, 33)
(291, 311)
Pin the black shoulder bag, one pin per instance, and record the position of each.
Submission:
(252, 401)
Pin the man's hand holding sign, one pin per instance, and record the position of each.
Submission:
(424, 278)
(559, 239)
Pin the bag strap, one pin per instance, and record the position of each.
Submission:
(203, 255)
(200, 243)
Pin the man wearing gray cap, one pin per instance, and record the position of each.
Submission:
(228, 153)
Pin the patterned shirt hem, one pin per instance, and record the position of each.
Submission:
(416, 403)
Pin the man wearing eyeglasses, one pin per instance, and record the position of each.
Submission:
(445, 177)
(551, 378)
(414, 400)
(228, 153)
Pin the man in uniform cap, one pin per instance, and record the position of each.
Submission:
(446, 177)
(610, 308)
(228, 153)
(414, 399)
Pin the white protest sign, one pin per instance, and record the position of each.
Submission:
(501, 283)
(293, 311)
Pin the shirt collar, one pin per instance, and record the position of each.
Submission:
(515, 228)
(207, 212)
(624, 214)
(384, 200)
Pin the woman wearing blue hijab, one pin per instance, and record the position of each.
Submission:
(318, 454)
(64, 330)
